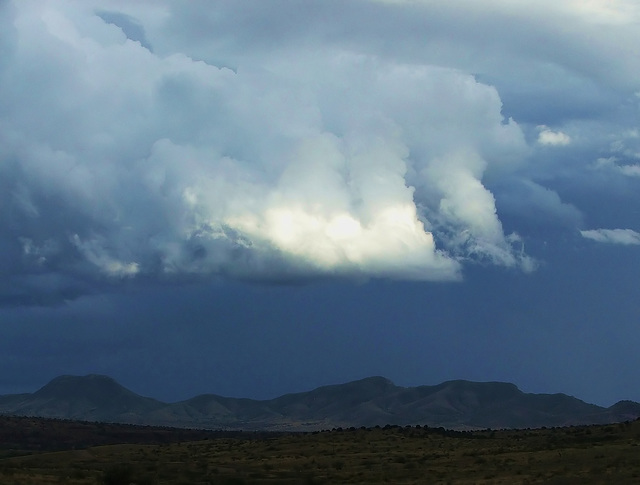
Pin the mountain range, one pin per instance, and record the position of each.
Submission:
(373, 401)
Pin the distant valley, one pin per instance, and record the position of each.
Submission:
(374, 401)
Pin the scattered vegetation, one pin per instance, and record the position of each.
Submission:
(391, 454)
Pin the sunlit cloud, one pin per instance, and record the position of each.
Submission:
(550, 137)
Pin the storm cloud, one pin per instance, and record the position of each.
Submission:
(257, 146)
(120, 162)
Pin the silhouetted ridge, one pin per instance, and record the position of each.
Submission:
(630, 409)
(92, 398)
(371, 401)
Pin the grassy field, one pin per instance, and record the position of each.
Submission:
(572, 455)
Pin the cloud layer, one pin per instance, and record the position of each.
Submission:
(133, 147)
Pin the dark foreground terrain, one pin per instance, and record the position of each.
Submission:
(43, 451)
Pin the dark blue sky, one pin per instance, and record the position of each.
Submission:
(222, 197)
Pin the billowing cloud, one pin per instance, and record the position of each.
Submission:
(128, 162)
(613, 236)
(170, 140)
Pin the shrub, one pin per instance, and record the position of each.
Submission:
(118, 474)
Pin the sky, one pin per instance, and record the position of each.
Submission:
(253, 198)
